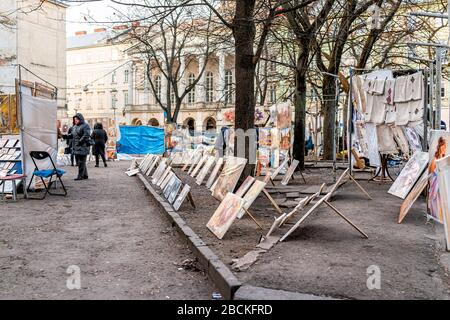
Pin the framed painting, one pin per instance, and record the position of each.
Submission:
(251, 196)
(284, 116)
(439, 149)
(245, 186)
(179, 200)
(225, 215)
(229, 177)
(443, 169)
(409, 175)
(204, 171)
(214, 173)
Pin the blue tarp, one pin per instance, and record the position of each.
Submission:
(140, 140)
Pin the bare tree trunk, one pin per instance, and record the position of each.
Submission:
(300, 110)
(329, 113)
(244, 36)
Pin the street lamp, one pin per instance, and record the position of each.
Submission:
(114, 101)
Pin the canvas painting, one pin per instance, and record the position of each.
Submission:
(158, 172)
(133, 172)
(414, 141)
(265, 137)
(184, 192)
(8, 114)
(263, 163)
(167, 179)
(439, 149)
(172, 189)
(412, 196)
(170, 186)
(197, 157)
(163, 176)
(284, 116)
(225, 215)
(273, 114)
(409, 175)
(251, 195)
(245, 186)
(201, 176)
(285, 138)
(443, 168)
(214, 173)
(152, 166)
(199, 165)
(372, 145)
(229, 177)
(290, 172)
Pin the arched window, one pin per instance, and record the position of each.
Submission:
(191, 93)
(136, 122)
(210, 124)
(153, 122)
(157, 88)
(228, 86)
(190, 124)
(209, 87)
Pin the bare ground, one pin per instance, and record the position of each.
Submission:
(326, 256)
(109, 227)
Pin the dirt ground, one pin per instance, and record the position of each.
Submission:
(326, 256)
(109, 228)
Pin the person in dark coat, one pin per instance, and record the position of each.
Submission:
(70, 144)
(81, 144)
(100, 138)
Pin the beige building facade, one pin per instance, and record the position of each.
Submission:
(33, 34)
(106, 82)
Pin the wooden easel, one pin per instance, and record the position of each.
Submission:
(350, 178)
(325, 200)
(189, 194)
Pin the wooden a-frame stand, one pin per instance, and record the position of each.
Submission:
(325, 200)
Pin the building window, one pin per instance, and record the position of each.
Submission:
(77, 101)
(113, 77)
(191, 93)
(125, 98)
(273, 64)
(273, 93)
(101, 100)
(228, 86)
(172, 97)
(113, 100)
(157, 88)
(209, 87)
(126, 76)
(442, 92)
(89, 100)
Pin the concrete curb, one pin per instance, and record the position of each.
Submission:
(225, 281)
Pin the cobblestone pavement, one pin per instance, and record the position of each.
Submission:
(109, 228)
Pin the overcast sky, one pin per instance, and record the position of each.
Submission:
(78, 16)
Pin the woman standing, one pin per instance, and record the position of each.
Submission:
(81, 135)
(100, 138)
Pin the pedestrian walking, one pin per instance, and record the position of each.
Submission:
(81, 135)
(100, 137)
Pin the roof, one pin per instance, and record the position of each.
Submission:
(59, 3)
(88, 40)
(94, 39)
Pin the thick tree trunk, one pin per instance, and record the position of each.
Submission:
(329, 113)
(300, 115)
(244, 37)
